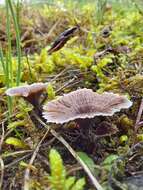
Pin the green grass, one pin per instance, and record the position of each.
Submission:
(17, 31)
(6, 56)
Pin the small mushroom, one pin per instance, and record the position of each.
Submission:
(83, 104)
(31, 92)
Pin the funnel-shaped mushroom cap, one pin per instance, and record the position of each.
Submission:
(84, 103)
(26, 90)
(31, 92)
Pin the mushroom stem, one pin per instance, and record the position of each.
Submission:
(36, 111)
(85, 127)
(34, 98)
(84, 123)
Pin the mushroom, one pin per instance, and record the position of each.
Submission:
(31, 92)
(83, 104)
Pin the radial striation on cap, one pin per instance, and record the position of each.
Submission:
(84, 103)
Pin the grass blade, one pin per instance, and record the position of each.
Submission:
(16, 26)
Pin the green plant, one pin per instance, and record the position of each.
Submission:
(44, 62)
(17, 31)
(16, 142)
(7, 60)
(6, 57)
(101, 66)
(58, 179)
(50, 91)
(101, 4)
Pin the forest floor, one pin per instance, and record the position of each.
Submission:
(104, 53)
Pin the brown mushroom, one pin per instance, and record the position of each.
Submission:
(82, 105)
(31, 92)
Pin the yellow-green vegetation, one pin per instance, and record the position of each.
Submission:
(105, 53)
(58, 179)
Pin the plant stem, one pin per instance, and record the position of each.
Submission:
(8, 32)
(2, 59)
(17, 41)
(8, 69)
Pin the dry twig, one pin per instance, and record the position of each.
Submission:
(137, 125)
(27, 171)
(1, 160)
(2, 172)
(2, 137)
(16, 152)
(17, 161)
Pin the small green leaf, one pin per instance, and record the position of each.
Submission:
(79, 184)
(87, 160)
(109, 160)
(50, 91)
(25, 165)
(57, 179)
(16, 142)
(16, 124)
(69, 182)
(58, 172)
(107, 163)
